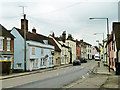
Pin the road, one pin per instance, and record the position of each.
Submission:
(51, 79)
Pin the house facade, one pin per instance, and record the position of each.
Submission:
(111, 49)
(88, 51)
(6, 45)
(70, 42)
(61, 57)
(83, 49)
(78, 50)
(105, 51)
(116, 46)
(38, 50)
(57, 52)
(94, 51)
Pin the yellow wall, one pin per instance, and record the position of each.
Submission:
(72, 44)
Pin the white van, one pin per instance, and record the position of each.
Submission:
(96, 57)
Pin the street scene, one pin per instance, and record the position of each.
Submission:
(61, 45)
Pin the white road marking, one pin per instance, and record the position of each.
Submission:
(83, 77)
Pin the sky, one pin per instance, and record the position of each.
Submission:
(56, 16)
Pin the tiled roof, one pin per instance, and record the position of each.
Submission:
(5, 33)
(78, 42)
(38, 38)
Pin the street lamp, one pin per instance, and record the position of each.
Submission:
(103, 44)
(107, 36)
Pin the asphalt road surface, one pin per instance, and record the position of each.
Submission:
(51, 79)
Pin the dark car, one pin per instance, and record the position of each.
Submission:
(76, 62)
(83, 60)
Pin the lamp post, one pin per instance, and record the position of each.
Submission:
(103, 44)
(107, 36)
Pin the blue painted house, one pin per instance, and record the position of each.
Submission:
(38, 49)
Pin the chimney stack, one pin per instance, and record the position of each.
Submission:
(34, 30)
(81, 40)
(64, 36)
(53, 35)
(26, 24)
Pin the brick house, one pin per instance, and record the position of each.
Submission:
(6, 45)
(78, 50)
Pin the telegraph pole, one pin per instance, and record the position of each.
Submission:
(24, 16)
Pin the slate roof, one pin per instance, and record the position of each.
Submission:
(116, 31)
(38, 38)
(5, 33)
(78, 42)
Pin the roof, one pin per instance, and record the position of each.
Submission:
(98, 50)
(78, 42)
(38, 38)
(58, 39)
(116, 31)
(5, 33)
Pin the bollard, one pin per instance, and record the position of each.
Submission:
(98, 64)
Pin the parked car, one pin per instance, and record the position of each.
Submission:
(76, 62)
(83, 60)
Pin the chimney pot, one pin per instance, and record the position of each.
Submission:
(34, 30)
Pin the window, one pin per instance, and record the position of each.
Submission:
(42, 51)
(33, 51)
(52, 61)
(50, 58)
(50, 52)
(77, 51)
(67, 59)
(1, 44)
(62, 52)
(44, 62)
(41, 62)
(62, 59)
(19, 65)
(65, 52)
(35, 63)
(8, 45)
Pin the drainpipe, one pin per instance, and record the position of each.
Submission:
(116, 64)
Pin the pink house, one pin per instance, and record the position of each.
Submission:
(94, 51)
(112, 66)
(78, 50)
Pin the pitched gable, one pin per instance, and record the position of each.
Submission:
(5, 33)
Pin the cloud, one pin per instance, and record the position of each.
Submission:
(59, 15)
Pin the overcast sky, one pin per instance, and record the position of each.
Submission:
(56, 16)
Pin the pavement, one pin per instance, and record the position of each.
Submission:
(100, 78)
(32, 72)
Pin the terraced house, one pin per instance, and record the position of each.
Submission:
(38, 49)
(6, 45)
(62, 57)
(70, 42)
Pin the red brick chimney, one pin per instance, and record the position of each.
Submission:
(26, 24)
(34, 30)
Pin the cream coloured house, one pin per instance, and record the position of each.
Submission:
(72, 44)
(61, 57)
